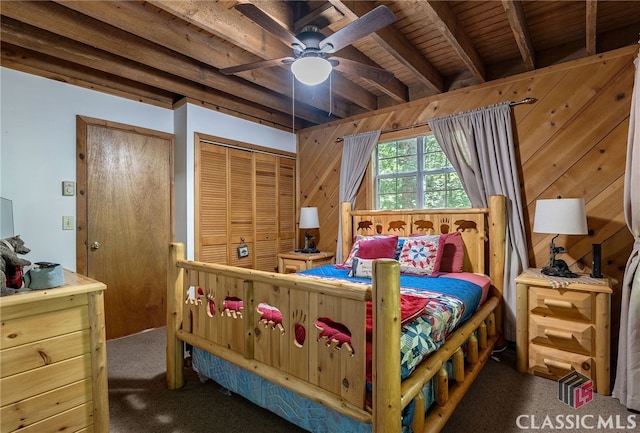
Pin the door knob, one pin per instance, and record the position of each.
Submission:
(95, 245)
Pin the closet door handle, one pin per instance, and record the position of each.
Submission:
(95, 246)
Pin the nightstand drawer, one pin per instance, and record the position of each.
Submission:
(561, 334)
(567, 304)
(291, 266)
(554, 364)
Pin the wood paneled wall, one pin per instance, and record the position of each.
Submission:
(571, 142)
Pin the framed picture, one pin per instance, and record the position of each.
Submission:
(243, 251)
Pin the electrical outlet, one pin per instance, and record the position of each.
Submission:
(67, 223)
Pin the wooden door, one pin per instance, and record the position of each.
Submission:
(125, 224)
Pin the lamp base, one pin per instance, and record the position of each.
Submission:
(309, 245)
(558, 268)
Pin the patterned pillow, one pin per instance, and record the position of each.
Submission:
(422, 255)
(361, 268)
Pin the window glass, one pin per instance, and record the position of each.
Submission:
(414, 173)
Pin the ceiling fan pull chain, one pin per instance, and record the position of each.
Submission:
(293, 106)
(330, 93)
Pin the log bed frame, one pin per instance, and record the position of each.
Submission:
(321, 372)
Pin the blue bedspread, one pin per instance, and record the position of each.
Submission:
(468, 293)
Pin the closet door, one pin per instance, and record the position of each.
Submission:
(243, 198)
(211, 198)
(286, 204)
(267, 215)
(241, 209)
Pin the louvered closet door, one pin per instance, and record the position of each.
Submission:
(267, 214)
(241, 206)
(243, 196)
(287, 204)
(211, 196)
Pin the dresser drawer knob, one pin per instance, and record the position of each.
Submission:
(552, 333)
(558, 304)
(556, 364)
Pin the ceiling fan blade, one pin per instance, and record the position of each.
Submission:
(255, 65)
(256, 15)
(361, 70)
(368, 23)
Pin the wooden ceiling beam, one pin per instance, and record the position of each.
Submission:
(234, 27)
(93, 34)
(591, 21)
(24, 60)
(36, 43)
(143, 20)
(521, 33)
(397, 45)
(447, 23)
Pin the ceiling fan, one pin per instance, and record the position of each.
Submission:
(312, 60)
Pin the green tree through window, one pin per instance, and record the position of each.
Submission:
(414, 173)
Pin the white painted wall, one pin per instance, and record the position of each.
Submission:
(37, 152)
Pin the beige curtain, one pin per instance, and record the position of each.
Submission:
(356, 154)
(627, 384)
(480, 146)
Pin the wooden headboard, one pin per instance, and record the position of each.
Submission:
(476, 225)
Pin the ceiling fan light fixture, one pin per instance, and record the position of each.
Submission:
(311, 70)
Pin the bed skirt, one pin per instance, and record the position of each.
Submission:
(304, 413)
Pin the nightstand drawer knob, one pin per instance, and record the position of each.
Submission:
(552, 333)
(558, 304)
(556, 364)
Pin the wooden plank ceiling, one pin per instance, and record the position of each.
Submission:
(163, 51)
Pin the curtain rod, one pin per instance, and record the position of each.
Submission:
(416, 125)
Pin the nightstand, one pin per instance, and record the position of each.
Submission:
(293, 262)
(563, 324)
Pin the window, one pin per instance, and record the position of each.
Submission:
(414, 173)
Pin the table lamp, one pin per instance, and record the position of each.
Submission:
(309, 220)
(560, 216)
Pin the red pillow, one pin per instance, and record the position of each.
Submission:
(381, 248)
(453, 253)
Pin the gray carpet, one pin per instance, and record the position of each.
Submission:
(140, 402)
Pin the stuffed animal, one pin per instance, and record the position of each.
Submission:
(9, 260)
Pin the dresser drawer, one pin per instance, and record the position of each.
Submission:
(566, 335)
(568, 304)
(554, 364)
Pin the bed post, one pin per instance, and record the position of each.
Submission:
(346, 226)
(497, 239)
(175, 286)
(386, 341)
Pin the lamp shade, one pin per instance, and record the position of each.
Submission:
(311, 70)
(564, 216)
(309, 218)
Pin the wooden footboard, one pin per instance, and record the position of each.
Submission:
(273, 334)
(266, 323)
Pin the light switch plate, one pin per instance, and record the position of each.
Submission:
(68, 187)
(67, 223)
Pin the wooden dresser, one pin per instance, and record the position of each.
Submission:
(53, 361)
(564, 326)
